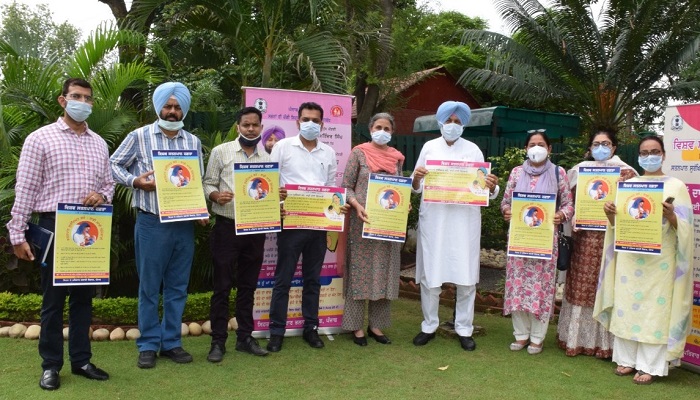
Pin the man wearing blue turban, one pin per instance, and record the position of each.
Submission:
(449, 234)
(164, 252)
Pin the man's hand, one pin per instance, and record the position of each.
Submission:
(491, 182)
(203, 221)
(23, 251)
(93, 199)
(418, 174)
(145, 182)
(222, 198)
(283, 194)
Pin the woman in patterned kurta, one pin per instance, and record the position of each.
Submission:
(373, 266)
(578, 332)
(530, 282)
(645, 300)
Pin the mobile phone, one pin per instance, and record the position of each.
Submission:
(669, 200)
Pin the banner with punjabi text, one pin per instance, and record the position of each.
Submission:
(257, 202)
(682, 143)
(179, 185)
(279, 108)
(596, 185)
(639, 217)
(456, 182)
(82, 244)
(531, 232)
(388, 201)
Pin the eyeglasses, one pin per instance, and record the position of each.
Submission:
(79, 97)
(654, 152)
(598, 144)
(537, 130)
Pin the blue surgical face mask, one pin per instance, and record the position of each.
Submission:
(309, 130)
(381, 137)
(601, 153)
(77, 110)
(170, 125)
(451, 131)
(650, 163)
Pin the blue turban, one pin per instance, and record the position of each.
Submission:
(273, 130)
(167, 89)
(458, 108)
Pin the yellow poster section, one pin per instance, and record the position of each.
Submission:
(314, 207)
(256, 199)
(456, 182)
(531, 233)
(639, 216)
(596, 185)
(82, 244)
(179, 185)
(388, 201)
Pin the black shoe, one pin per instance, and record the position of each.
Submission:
(90, 371)
(251, 346)
(50, 380)
(359, 340)
(467, 343)
(311, 337)
(379, 338)
(216, 353)
(147, 359)
(275, 343)
(177, 354)
(423, 338)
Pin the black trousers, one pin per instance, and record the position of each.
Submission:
(79, 315)
(311, 245)
(242, 255)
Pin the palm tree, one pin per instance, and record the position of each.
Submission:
(29, 88)
(266, 38)
(605, 71)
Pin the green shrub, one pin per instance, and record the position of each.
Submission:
(109, 311)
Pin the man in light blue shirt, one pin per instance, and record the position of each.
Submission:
(164, 251)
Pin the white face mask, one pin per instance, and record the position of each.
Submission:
(381, 137)
(537, 154)
(77, 110)
(170, 125)
(451, 131)
(309, 130)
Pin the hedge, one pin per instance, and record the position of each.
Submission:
(109, 311)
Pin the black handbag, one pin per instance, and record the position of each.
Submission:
(565, 243)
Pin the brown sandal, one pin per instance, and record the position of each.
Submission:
(641, 374)
(624, 371)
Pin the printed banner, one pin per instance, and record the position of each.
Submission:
(596, 185)
(179, 185)
(682, 143)
(279, 109)
(314, 207)
(82, 244)
(388, 201)
(257, 201)
(639, 217)
(456, 182)
(531, 232)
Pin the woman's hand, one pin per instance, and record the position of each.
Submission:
(670, 215)
(610, 211)
(559, 217)
(507, 214)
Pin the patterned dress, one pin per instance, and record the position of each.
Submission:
(577, 331)
(373, 266)
(530, 282)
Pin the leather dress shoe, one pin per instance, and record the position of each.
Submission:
(467, 343)
(379, 338)
(50, 380)
(359, 340)
(275, 343)
(251, 346)
(216, 353)
(311, 337)
(423, 338)
(177, 354)
(90, 371)
(147, 359)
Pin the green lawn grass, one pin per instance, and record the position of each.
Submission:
(345, 371)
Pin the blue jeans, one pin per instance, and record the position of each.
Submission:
(164, 253)
(79, 316)
(290, 245)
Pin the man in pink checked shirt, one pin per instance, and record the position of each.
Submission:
(62, 162)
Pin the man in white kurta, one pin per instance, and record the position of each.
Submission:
(449, 235)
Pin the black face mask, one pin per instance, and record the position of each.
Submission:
(248, 142)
